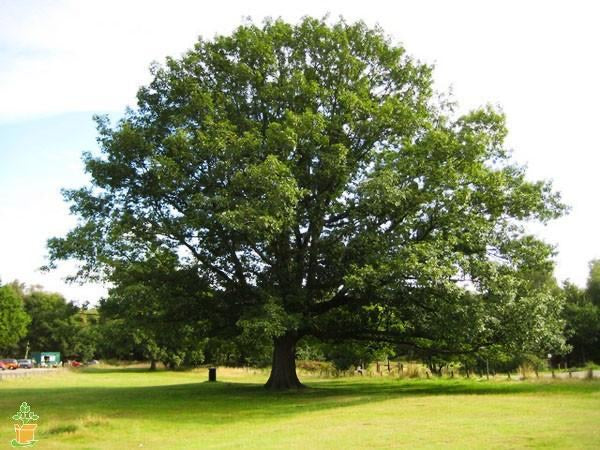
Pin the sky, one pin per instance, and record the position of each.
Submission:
(61, 62)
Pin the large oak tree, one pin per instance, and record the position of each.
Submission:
(313, 182)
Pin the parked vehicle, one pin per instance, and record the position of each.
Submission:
(25, 363)
(11, 364)
(2, 366)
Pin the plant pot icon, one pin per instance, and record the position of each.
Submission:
(25, 430)
(25, 434)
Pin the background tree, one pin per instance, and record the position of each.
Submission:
(312, 183)
(593, 282)
(57, 325)
(85, 334)
(582, 315)
(13, 318)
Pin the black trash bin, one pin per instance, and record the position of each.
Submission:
(212, 374)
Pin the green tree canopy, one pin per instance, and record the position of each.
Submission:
(13, 318)
(582, 315)
(314, 184)
(56, 325)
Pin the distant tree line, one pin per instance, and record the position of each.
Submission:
(34, 320)
(135, 323)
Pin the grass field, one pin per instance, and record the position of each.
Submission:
(132, 408)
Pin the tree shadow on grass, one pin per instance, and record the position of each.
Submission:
(106, 371)
(224, 402)
(434, 387)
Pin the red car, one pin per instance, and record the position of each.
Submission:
(11, 364)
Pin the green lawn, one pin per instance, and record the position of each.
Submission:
(132, 408)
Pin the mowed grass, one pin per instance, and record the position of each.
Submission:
(133, 408)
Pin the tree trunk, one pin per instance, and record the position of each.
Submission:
(152, 364)
(283, 371)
